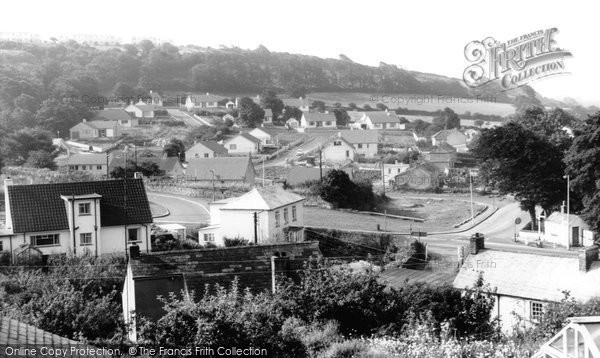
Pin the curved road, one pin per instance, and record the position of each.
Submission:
(183, 210)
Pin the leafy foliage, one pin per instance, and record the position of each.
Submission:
(337, 189)
(250, 113)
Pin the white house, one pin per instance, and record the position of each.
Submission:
(205, 149)
(141, 109)
(99, 217)
(268, 116)
(267, 135)
(364, 141)
(318, 120)
(390, 171)
(199, 101)
(95, 129)
(378, 120)
(122, 117)
(274, 214)
(337, 150)
(242, 143)
(453, 137)
(222, 171)
(292, 123)
(89, 163)
(523, 284)
(556, 230)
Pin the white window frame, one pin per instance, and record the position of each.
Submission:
(84, 212)
(536, 310)
(209, 237)
(137, 229)
(294, 213)
(277, 219)
(86, 242)
(56, 238)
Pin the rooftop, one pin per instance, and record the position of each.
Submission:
(225, 168)
(111, 114)
(360, 136)
(382, 116)
(267, 198)
(319, 117)
(213, 146)
(87, 159)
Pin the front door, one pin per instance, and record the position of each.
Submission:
(575, 235)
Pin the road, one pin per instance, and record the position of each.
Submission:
(187, 118)
(310, 145)
(183, 210)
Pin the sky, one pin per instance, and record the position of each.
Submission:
(426, 36)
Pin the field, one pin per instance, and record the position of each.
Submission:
(440, 214)
(416, 102)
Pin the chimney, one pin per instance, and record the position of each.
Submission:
(476, 243)
(8, 220)
(562, 208)
(84, 120)
(208, 94)
(586, 257)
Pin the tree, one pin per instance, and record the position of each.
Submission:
(147, 167)
(269, 100)
(341, 116)
(478, 123)
(381, 106)
(250, 113)
(60, 115)
(175, 148)
(447, 119)
(40, 159)
(367, 107)
(352, 106)
(292, 112)
(17, 146)
(319, 106)
(583, 166)
(520, 162)
(124, 92)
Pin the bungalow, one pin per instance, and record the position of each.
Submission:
(355, 116)
(364, 141)
(243, 143)
(318, 120)
(199, 101)
(141, 110)
(267, 135)
(90, 163)
(163, 273)
(421, 177)
(558, 225)
(95, 129)
(443, 156)
(292, 123)
(523, 284)
(268, 116)
(401, 141)
(99, 217)
(262, 215)
(155, 99)
(337, 150)
(453, 137)
(378, 120)
(300, 103)
(121, 116)
(205, 149)
(222, 170)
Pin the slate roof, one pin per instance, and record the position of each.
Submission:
(226, 168)
(102, 124)
(383, 117)
(200, 98)
(361, 136)
(87, 159)
(267, 198)
(111, 114)
(39, 207)
(532, 276)
(319, 117)
(213, 146)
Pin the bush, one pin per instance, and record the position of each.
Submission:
(235, 241)
(337, 188)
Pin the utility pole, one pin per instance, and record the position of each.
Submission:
(471, 189)
(213, 184)
(320, 164)
(255, 228)
(568, 212)
(383, 175)
(263, 171)
(107, 174)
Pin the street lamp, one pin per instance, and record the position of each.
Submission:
(213, 184)
(568, 210)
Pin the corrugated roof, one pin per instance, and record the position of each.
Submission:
(267, 198)
(39, 207)
(225, 168)
(538, 277)
(87, 159)
(361, 136)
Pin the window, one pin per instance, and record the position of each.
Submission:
(359, 146)
(232, 146)
(209, 237)
(347, 154)
(294, 217)
(1, 246)
(277, 223)
(132, 234)
(389, 170)
(85, 238)
(124, 121)
(99, 167)
(311, 123)
(206, 155)
(537, 308)
(83, 167)
(45, 240)
(286, 218)
(328, 123)
(337, 143)
(84, 209)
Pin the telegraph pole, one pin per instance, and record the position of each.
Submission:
(320, 164)
(255, 228)
(383, 175)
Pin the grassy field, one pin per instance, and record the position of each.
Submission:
(439, 215)
(416, 102)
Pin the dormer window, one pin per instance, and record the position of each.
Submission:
(84, 209)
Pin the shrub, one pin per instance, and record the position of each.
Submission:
(235, 241)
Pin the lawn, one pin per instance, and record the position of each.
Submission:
(440, 214)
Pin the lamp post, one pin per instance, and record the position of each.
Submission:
(568, 211)
(213, 184)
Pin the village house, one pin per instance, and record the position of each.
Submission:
(243, 143)
(300, 103)
(228, 117)
(292, 123)
(364, 141)
(558, 225)
(262, 215)
(390, 170)
(95, 129)
(523, 284)
(90, 163)
(443, 156)
(141, 110)
(337, 150)
(318, 120)
(161, 273)
(268, 136)
(423, 176)
(99, 217)
(399, 141)
(222, 170)
(205, 149)
(155, 99)
(122, 117)
(453, 137)
(268, 116)
(200, 101)
(377, 120)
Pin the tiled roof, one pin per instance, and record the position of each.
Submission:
(267, 198)
(87, 159)
(225, 168)
(102, 124)
(319, 117)
(533, 276)
(39, 207)
(361, 136)
(111, 114)
(213, 146)
(383, 117)
(200, 98)
(161, 273)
